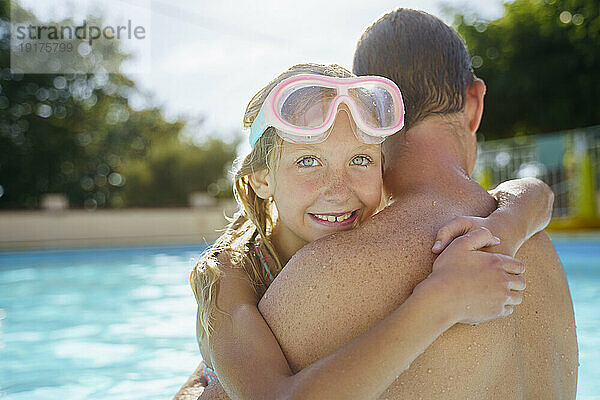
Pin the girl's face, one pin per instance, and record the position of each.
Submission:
(323, 188)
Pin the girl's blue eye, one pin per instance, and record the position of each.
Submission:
(308, 162)
(361, 160)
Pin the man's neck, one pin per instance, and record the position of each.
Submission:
(429, 158)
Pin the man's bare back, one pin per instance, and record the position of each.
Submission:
(333, 290)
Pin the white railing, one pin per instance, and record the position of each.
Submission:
(568, 161)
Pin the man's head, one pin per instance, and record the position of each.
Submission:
(429, 63)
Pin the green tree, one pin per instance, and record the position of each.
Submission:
(78, 134)
(170, 172)
(541, 64)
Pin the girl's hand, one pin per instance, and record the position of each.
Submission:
(524, 207)
(457, 227)
(477, 286)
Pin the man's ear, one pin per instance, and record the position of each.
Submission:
(474, 104)
(262, 183)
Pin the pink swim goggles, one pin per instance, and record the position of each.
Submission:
(303, 108)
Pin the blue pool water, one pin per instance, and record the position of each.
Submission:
(96, 324)
(119, 323)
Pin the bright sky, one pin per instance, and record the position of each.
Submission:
(208, 58)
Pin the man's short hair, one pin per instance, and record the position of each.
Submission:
(424, 56)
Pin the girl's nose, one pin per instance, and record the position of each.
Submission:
(336, 189)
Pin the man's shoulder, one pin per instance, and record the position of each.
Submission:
(539, 245)
(547, 289)
(546, 300)
(541, 260)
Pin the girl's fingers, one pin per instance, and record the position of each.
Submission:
(516, 282)
(454, 228)
(510, 264)
(507, 311)
(476, 239)
(514, 299)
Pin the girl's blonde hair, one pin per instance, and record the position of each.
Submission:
(254, 213)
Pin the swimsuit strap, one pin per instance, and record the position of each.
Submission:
(209, 373)
(263, 260)
(260, 255)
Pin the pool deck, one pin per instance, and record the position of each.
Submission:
(82, 228)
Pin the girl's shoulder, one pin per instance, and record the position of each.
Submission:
(222, 264)
(235, 283)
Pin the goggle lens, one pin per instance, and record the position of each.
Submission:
(306, 106)
(375, 105)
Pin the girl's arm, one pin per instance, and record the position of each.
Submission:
(524, 208)
(466, 285)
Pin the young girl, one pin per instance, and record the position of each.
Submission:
(317, 173)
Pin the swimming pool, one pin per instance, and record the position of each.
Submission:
(119, 323)
(96, 324)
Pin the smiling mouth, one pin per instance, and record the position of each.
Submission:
(337, 218)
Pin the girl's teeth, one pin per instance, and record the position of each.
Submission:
(332, 218)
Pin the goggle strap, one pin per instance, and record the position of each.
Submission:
(257, 129)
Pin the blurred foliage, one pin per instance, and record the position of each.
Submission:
(78, 134)
(170, 170)
(541, 64)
